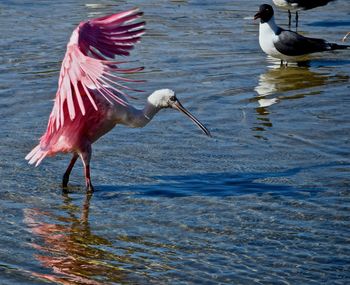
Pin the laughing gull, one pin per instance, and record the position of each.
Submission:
(284, 44)
(296, 5)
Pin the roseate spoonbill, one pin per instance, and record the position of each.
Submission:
(287, 45)
(296, 5)
(90, 99)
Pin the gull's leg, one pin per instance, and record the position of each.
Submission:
(85, 157)
(284, 63)
(69, 170)
(289, 19)
(296, 20)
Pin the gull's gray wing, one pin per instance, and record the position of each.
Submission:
(308, 4)
(293, 44)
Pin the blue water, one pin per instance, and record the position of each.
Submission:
(265, 201)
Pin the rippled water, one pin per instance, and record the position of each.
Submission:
(265, 201)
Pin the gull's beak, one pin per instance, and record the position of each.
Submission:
(257, 15)
(178, 106)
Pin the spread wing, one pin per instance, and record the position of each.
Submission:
(89, 69)
(294, 44)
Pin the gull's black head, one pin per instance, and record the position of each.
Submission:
(265, 13)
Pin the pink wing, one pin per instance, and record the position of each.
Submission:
(88, 64)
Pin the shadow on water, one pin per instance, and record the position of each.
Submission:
(70, 251)
(215, 185)
(329, 24)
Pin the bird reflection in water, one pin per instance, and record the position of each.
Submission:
(280, 83)
(67, 246)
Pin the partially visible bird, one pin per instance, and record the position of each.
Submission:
(296, 5)
(284, 44)
(90, 99)
(346, 37)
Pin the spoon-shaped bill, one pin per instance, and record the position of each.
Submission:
(178, 106)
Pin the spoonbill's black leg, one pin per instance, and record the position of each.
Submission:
(69, 170)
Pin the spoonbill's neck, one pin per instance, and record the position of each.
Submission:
(137, 118)
(149, 111)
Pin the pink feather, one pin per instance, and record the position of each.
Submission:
(87, 71)
(88, 61)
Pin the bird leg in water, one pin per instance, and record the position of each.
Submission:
(296, 20)
(284, 63)
(85, 157)
(89, 186)
(289, 19)
(69, 170)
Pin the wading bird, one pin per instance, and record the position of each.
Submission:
(284, 44)
(90, 99)
(296, 5)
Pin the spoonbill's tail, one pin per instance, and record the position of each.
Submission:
(36, 155)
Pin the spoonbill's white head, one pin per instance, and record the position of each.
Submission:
(162, 98)
(166, 98)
